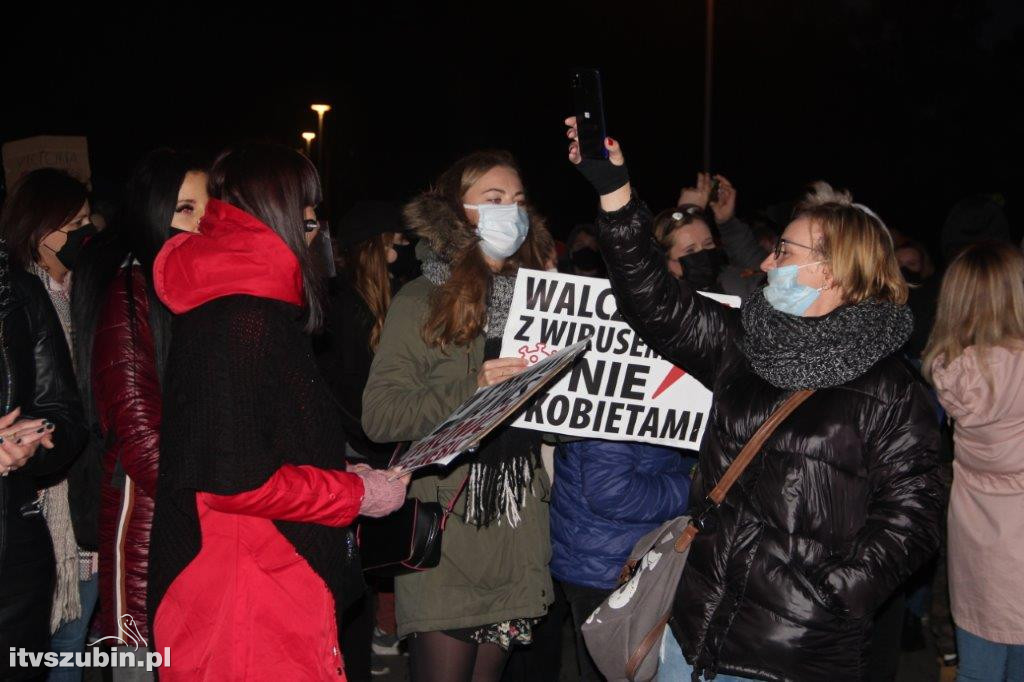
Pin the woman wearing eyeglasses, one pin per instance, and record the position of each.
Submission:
(843, 502)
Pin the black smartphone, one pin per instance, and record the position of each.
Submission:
(588, 105)
(713, 194)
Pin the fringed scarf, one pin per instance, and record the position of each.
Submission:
(56, 508)
(501, 475)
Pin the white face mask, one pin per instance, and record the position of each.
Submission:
(502, 228)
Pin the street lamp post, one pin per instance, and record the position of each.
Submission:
(709, 54)
(309, 136)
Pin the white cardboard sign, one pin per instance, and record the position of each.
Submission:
(621, 389)
(69, 153)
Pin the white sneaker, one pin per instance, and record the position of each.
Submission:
(385, 644)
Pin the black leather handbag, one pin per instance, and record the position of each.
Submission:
(405, 541)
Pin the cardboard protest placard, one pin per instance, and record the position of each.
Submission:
(621, 390)
(68, 153)
(485, 410)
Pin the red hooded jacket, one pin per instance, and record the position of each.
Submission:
(248, 606)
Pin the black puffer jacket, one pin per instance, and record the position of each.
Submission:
(837, 510)
(35, 375)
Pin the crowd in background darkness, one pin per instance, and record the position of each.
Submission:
(187, 393)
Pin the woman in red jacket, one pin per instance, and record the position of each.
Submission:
(123, 335)
(249, 545)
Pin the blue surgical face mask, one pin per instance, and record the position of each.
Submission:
(502, 228)
(787, 295)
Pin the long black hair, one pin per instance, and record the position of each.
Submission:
(275, 184)
(139, 231)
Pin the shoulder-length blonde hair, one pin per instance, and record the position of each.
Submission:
(458, 308)
(856, 244)
(981, 304)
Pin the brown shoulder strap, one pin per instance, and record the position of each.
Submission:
(652, 639)
(716, 495)
(755, 444)
(746, 456)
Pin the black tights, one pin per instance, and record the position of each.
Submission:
(436, 657)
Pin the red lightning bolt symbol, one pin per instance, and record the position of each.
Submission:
(674, 375)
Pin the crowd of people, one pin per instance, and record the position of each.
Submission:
(200, 401)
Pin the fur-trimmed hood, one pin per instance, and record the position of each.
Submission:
(446, 229)
(432, 218)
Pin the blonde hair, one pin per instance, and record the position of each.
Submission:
(856, 244)
(981, 304)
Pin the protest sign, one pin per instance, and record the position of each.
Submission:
(621, 390)
(46, 151)
(486, 409)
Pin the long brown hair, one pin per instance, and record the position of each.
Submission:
(458, 308)
(367, 267)
(981, 304)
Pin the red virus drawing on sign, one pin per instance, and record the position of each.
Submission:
(534, 355)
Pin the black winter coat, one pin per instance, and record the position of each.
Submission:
(344, 357)
(838, 509)
(35, 375)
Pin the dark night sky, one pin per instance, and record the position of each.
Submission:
(912, 105)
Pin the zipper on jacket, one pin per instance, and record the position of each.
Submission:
(8, 387)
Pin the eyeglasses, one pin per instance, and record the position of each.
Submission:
(311, 224)
(780, 243)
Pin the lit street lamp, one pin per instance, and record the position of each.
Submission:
(309, 136)
(320, 110)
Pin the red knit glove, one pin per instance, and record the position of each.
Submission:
(381, 496)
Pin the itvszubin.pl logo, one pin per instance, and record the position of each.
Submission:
(94, 657)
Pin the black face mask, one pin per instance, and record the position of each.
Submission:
(587, 260)
(405, 267)
(72, 249)
(701, 269)
(175, 231)
(910, 276)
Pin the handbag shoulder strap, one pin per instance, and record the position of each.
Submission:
(451, 505)
(756, 442)
(746, 456)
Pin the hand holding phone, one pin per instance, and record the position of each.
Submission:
(588, 105)
(608, 176)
